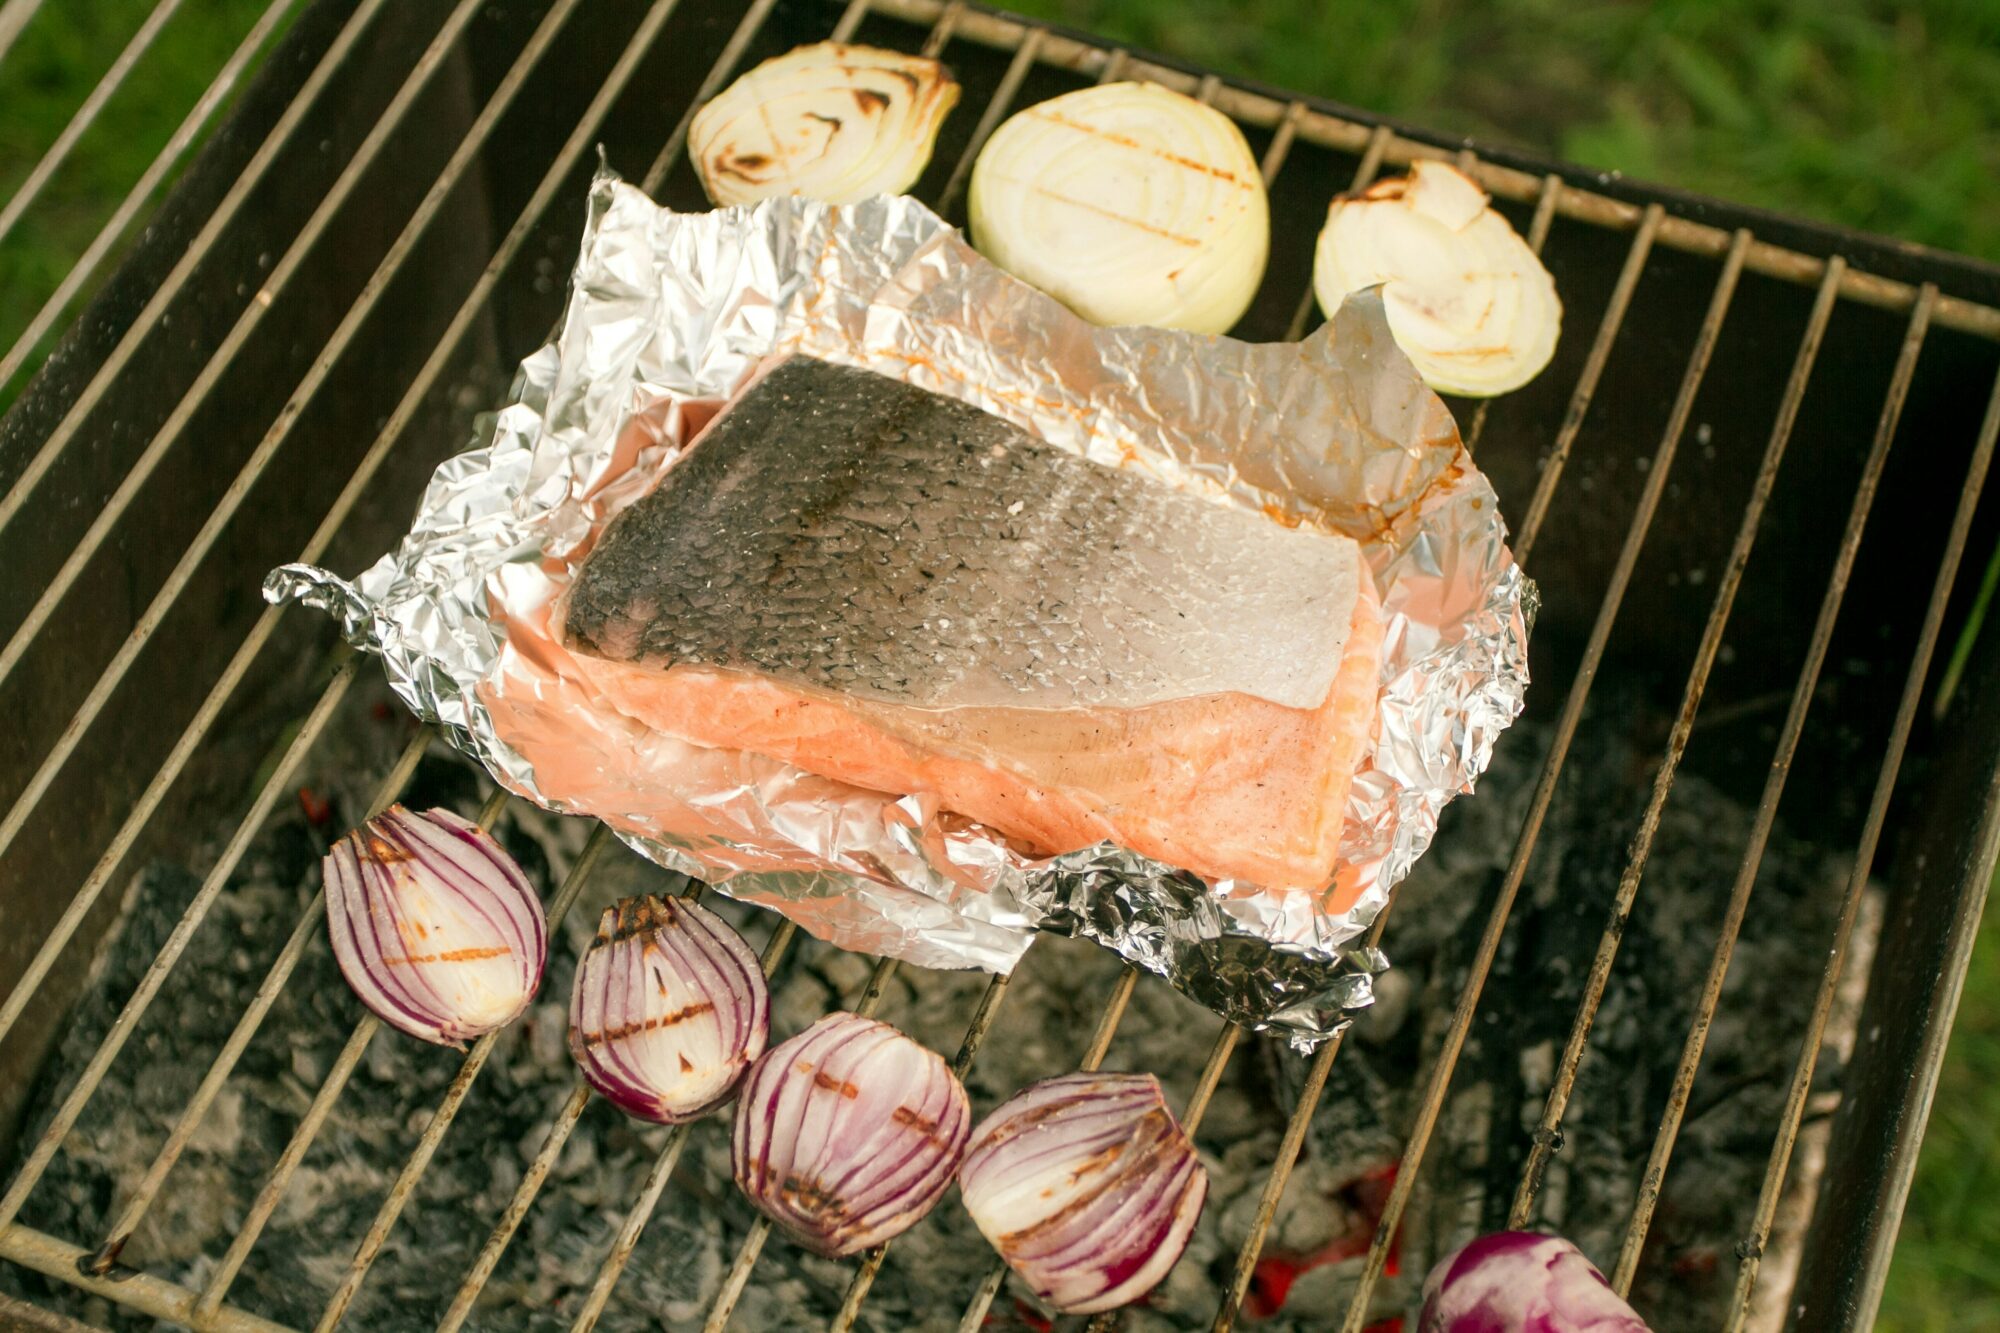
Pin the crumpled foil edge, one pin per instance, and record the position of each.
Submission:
(667, 309)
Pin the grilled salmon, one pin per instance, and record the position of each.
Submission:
(895, 590)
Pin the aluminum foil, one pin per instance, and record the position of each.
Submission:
(670, 312)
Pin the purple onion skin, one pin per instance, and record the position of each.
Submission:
(669, 1009)
(848, 1134)
(1087, 1187)
(434, 926)
(1522, 1282)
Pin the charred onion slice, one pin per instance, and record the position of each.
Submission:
(1467, 299)
(433, 925)
(1087, 1186)
(1128, 203)
(1519, 1280)
(669, 1009)
(827, 121)
(848, 1134)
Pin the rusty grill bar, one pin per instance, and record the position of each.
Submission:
(931, 26)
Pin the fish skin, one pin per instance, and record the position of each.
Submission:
(846, 532)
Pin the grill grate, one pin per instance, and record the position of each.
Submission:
(929, 25)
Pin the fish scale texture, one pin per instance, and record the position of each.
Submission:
(838, 529)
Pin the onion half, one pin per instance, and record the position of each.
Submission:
(1468, 301)
(848, 1134)
(1525, 1283)
(828, 121)
(433, 925)
(1087, 1186)
(668, 1011)
(1127, 202)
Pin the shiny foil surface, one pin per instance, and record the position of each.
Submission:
(669, 313)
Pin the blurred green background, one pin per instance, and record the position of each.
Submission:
(1879, 116)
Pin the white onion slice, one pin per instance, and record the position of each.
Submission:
(827, 121)
(1087, 1186)
(848, 1134)
(1468, 301)
(433, 925)
(1127, 202)
(669, 1009)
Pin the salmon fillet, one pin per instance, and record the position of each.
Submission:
(897, 591)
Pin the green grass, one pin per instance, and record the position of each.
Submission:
(50, 70)
(1881, 117)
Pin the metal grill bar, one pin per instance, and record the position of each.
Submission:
(447, 1109)
(1191, 1116)
(142, 190)
(1549, 1134)
(1280, 146)
(1371, 162)
(191, 917)
(1489, 944)
(86, 115)
(1274, 1183)
(1317, 1073)
(1538, 234)
(114, 365)
(656, 1179)
(1295, 118)
(975, 1035)
(399, 420)
(128, 1018)
(989, 119)
(760, 1230)
(1348, 136)
(293, 411)
(517, 1208)
(1752, 1249)
(140, 1291)
(1651, 1182)
(330, 1087)
(14, 16)
(1586, 380)
(294, 258)
(1093, 1056)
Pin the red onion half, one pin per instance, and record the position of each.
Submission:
(1087, 1186)
(1521, 1282)
(433, 925)
(669, 1009)
(847, 1134)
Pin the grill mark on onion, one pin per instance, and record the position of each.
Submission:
(449, 956)
(1135, 1165)
(824, 1080)
(654, 1024)
(1127, 141)
(1113, 215)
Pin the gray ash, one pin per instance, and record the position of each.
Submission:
(1322, 1225)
